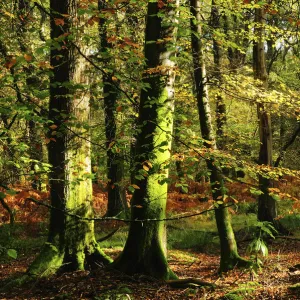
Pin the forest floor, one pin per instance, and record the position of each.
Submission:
(188, 257)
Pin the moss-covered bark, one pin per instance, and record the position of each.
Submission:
(229, 254)
(71, 242)
(145, 249)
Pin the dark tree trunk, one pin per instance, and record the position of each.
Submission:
(220, 104)
(267, 206)
(117, 202)
(71, 241)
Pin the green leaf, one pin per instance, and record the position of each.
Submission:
(12, 253)
(11, 192)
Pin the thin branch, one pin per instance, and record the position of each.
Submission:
(178, 217)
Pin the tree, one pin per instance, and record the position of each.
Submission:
(229, 253)
(117, 202)
(145, 248)
(71, 240)
(267, 207)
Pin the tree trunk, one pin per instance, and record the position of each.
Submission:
(117, 202)
(71, 242)
(229, 254)
(267, 206)
(145, 249)
(220, 104)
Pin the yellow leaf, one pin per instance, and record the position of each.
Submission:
(9, 14)
(114, 78)
(53, 126)
(135, 186)
(145, 168)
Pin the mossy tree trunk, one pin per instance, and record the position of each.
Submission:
(145, 248)
(229, 253)
(267, 206)
(71, 242)
(116, 192)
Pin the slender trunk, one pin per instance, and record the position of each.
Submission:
(116, 192)
(267, 206)
(36, 148)
(220, 104)
(145, 249)
(71, 241)
(229, 254)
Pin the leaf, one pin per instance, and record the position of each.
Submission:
(59, 22)
(28, 57)
(9, 14)
(264, 249)
(119, 109)
(136, 187)
(12, 253)
(146, 168)
(11, 192)
(111, 144)
(10, 63)
(2, 195)
(160, 3)
(131, 189)
(53, 126)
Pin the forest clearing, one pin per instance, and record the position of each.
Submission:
(149, 149)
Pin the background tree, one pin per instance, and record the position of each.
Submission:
(229, 254)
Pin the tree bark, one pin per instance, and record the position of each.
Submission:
(117, 202)
(229, 254)
(220, 104)
(71, 242)
(267, 206)
(145, 248)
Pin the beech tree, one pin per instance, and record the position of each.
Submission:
(145, 248)
(71, 240)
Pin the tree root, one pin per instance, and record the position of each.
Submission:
(189, 283)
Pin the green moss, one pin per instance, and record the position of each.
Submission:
(47, 262)
(239, 294)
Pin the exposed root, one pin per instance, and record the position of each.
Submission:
(189, 283)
